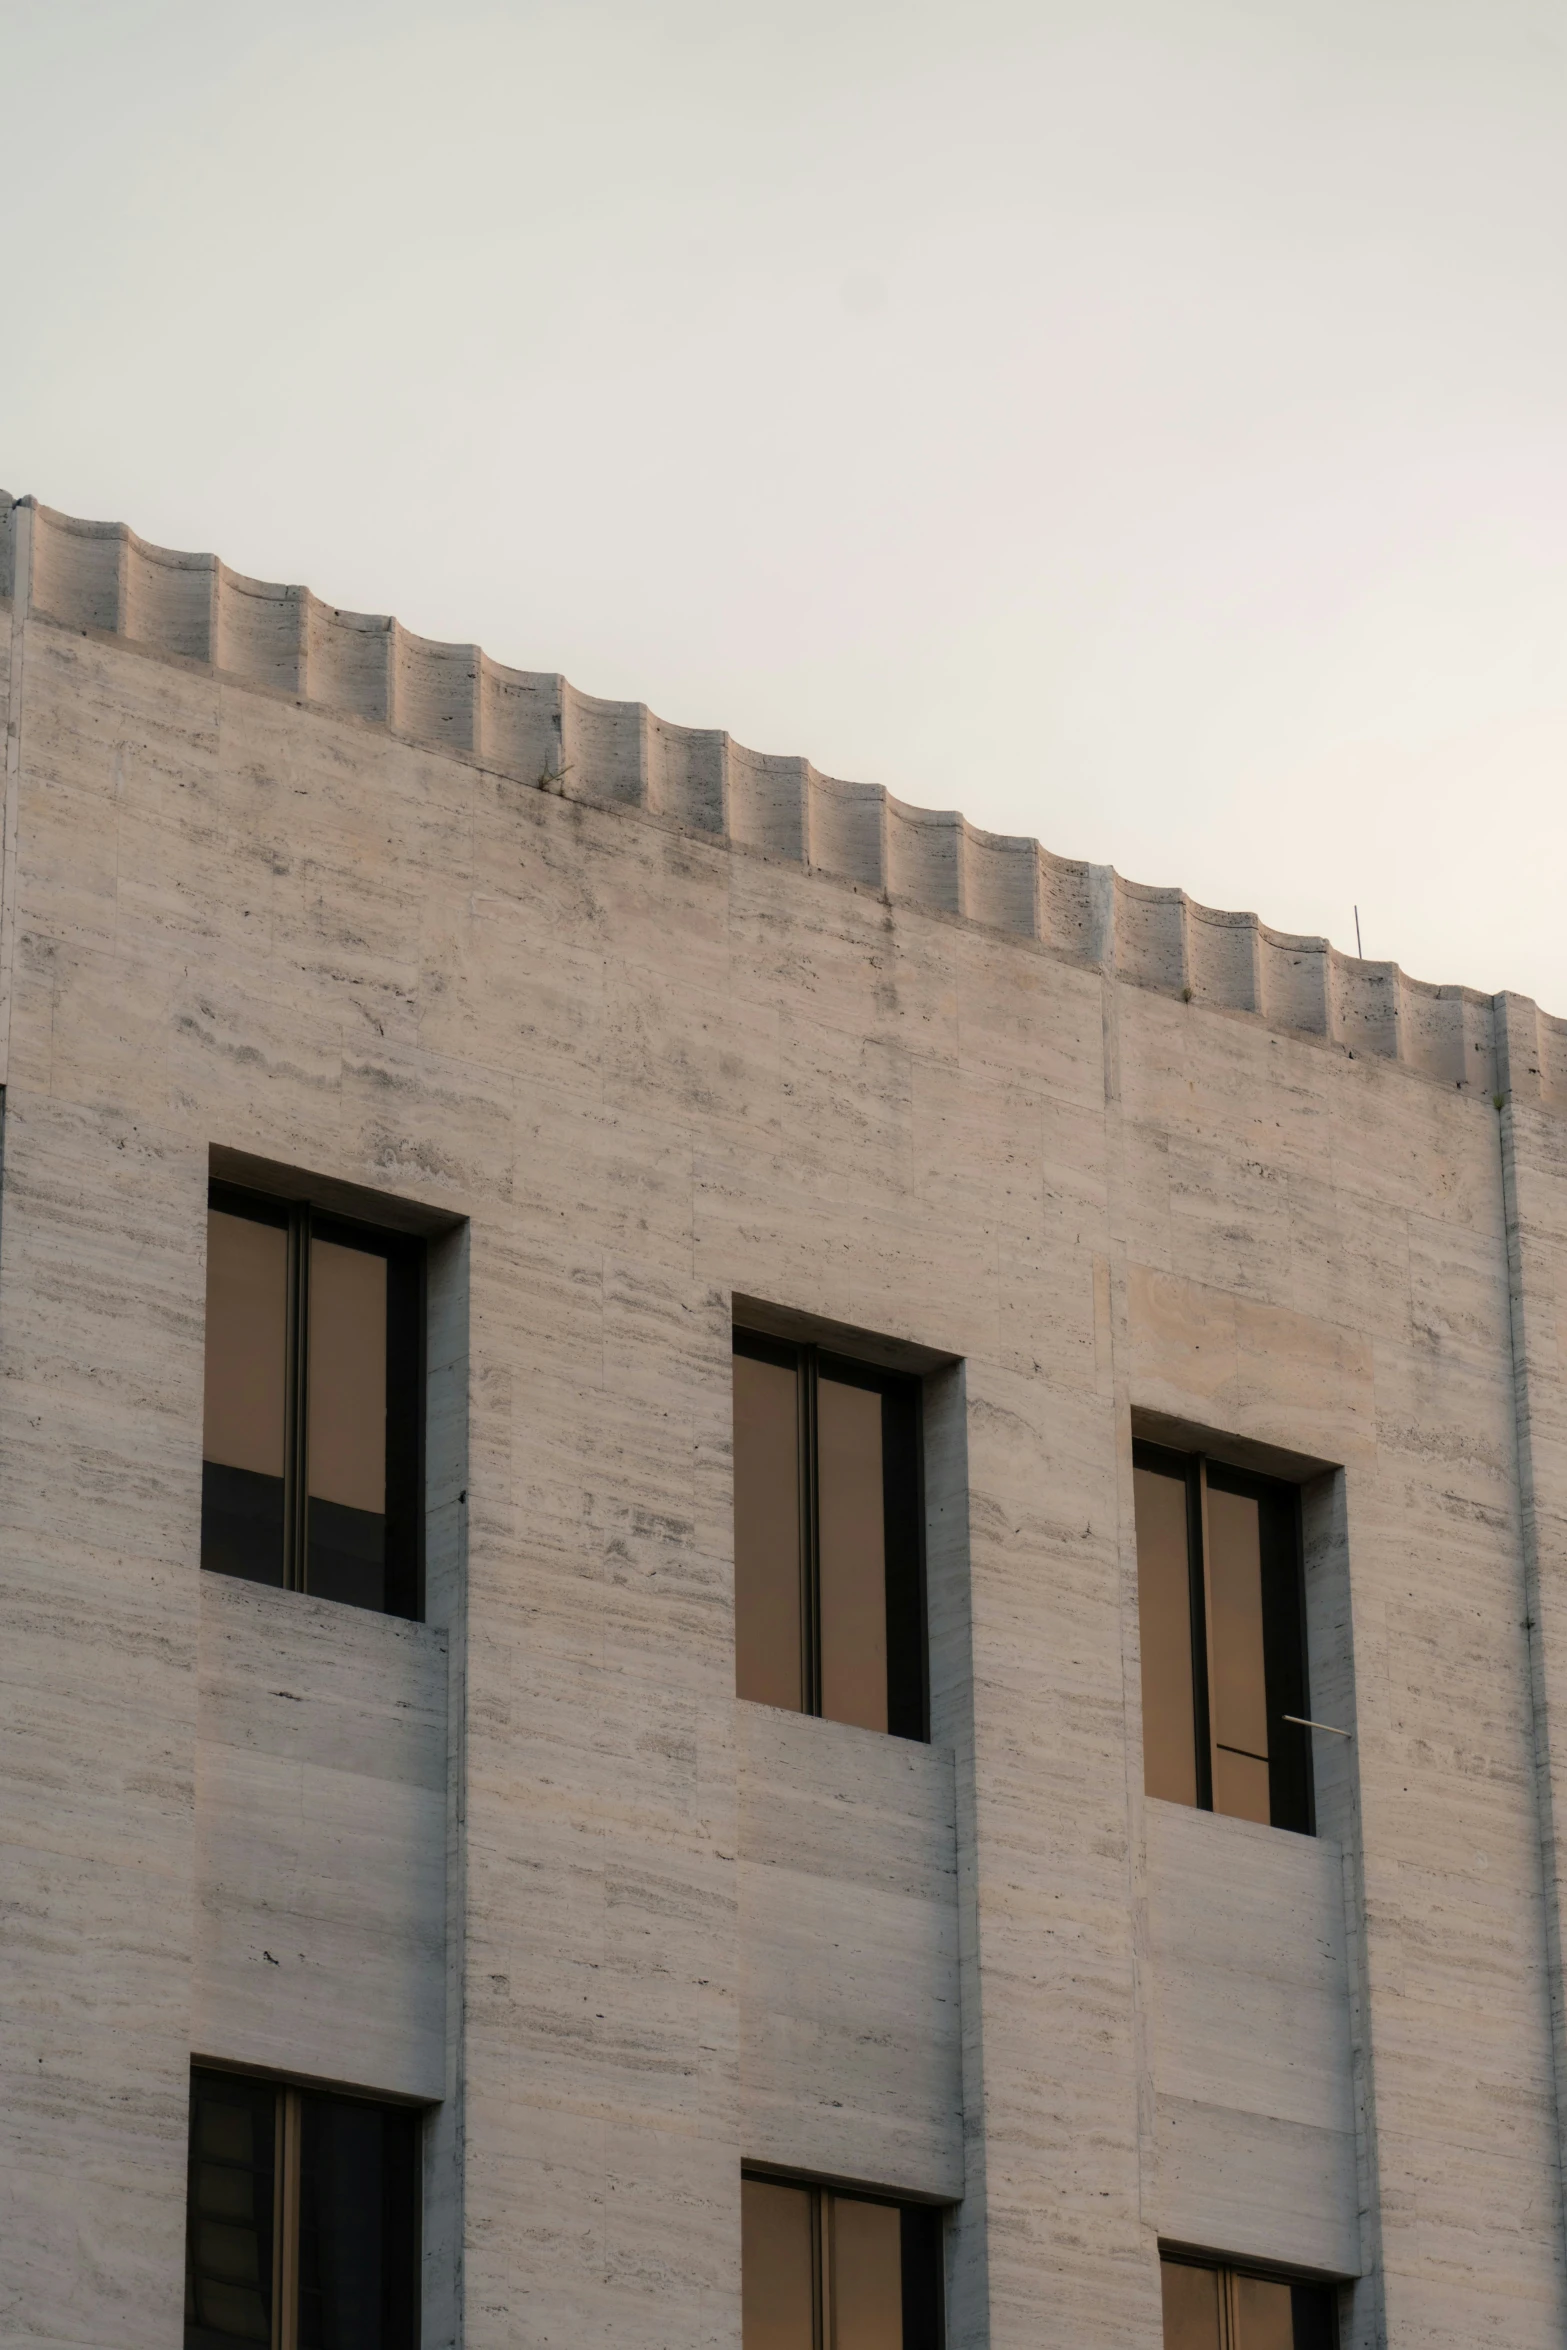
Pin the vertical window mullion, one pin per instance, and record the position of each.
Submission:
(285, 2223)
(810, 1538)
(1202, 1634)
(296, 1467)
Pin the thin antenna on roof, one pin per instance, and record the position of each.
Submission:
(1359, 949)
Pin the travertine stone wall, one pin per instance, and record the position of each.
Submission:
(850, 2007)
(271, 909)
(1324, 1270)
(1534, 1169)
(320, 1840)
(1254, 2095)
(539, 728)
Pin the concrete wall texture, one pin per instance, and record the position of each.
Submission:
(636, 1023)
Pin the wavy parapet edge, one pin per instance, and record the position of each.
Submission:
(536, 726)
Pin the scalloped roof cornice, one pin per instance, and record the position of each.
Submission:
(537, 727)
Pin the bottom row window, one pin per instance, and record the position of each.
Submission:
(302, 2225)
(303, 2234)
(1207, 2308)
(822, 2271)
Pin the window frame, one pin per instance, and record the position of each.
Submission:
(933, 2250)
(290, 2098)
(903, 1506)
(406, 1254)
(1286, 1657)
(1229, 2274)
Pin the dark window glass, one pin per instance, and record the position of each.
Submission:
(229, 2235)
(303, 2220)
(1221, 1615)
(824, 2271)
(1216, 2308)
(312, 1474)
(829, 1579)
(358, 2210)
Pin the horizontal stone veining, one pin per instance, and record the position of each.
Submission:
(1254, 2101)
(850, 2060)
(320, 1840)
(536, 726)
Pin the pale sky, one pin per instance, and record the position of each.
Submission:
(1143, 426)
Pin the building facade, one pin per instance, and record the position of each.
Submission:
(514, 1834)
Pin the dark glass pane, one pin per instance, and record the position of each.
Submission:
(922, 2280)
(228, 2241)
(1164, 1618)
(1284, 1646)
(1316, 2319)
(245, 1399)
(347, 1554)
(1264, 2315)
(767, 1533)
(1191, 2306)
(853, 1554)
(241, 1523)
(865, 2274)
(346, 1443)
(903, 1506)
(358, 2226)
(1237, 1695)
(777, 2289)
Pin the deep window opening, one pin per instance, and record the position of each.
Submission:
(1209, 2307)
(1222, 1619)
(302, 2219)
(829, 1552)
(312, 1451)
(821, 2270)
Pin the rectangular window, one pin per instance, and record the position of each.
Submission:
(1221, 1613)
(302, 2220)
(829, 1560)
(1211, 2308)
(824, 2271)
(312, 1446)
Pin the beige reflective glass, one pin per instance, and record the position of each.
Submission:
(1264, 2314)
(347, 1378)
(1237, 1692)
(865, 2285)
(247, 1344)
(777, 2286)
(1164, 1619)
(1191, 2307)
(767, 1534)
(1240, 1787)
(853, 1555)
